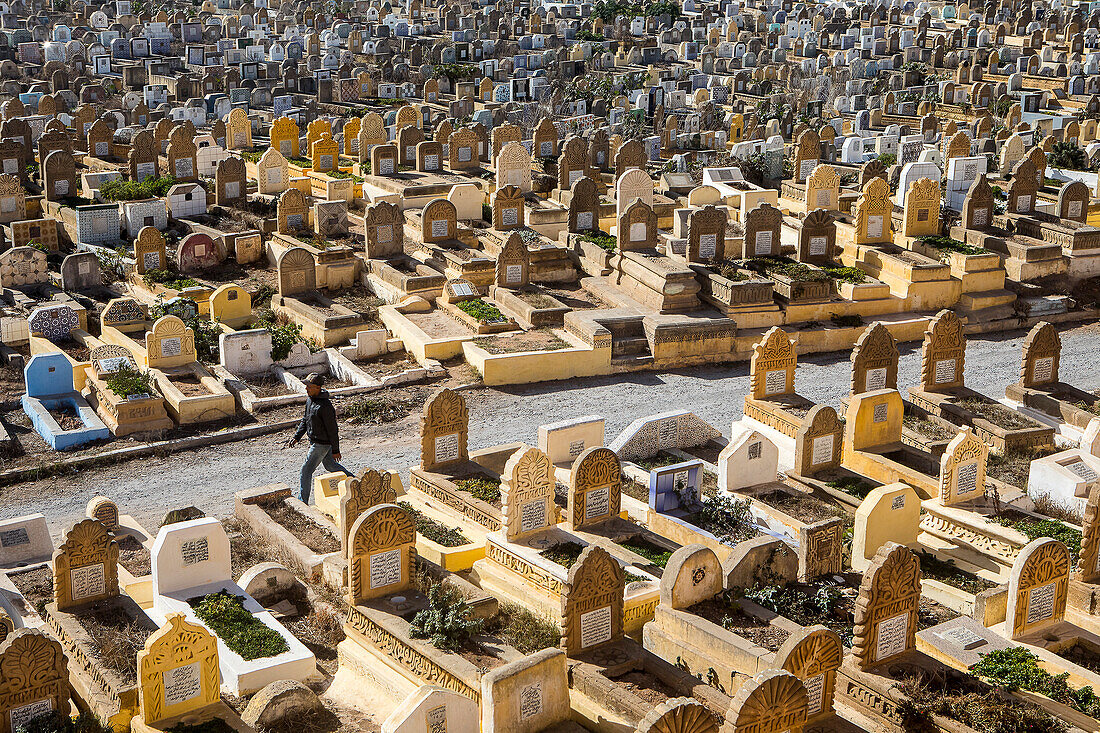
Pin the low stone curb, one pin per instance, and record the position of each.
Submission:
(171, 446)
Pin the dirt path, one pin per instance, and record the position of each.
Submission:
(207, 478)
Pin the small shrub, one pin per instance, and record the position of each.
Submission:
(169, 279)
(207, 339)
(947, 244)
(726, 518)
(242, 632)
(601, 239)
(375, 409)
(887, 159)
(482, 311)
(433, 530)
(446, 623)
(852, 275)
(480, 488)
(112, 266)
(846, 321)
(119, 190)
(565, 554)
(55, 722)
(129, 381)
(527, 631)
(487, 212)
(1016, 668)
(283, 336)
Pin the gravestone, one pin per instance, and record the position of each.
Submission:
(706, 235)
(444, 431)
(508, 209)
(1041, 355)
(774, 701)
(584, 212)
(874, 360)
(177, 671)
(381, 552)
(817, 238)
(36, 680)
(85, 566)
(149, 250)
(922, 208)
(594, 488)
(962, 468)
(384, 227)
(772, 365)
(527, 494)
(1088, 564)
(1037, 587)
(439, 221)
(592, 603)
(886, 609)
(297, 272)
(813, 655)
(943, 353)
(977, 210)
(513, 264)
(370, 488)
(873, 213)
(763, 225)
(637, 227)
(749, 459)
(817, 444)
(80, 271)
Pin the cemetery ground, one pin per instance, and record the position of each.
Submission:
(386, 433)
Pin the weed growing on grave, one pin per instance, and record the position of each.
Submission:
(112, 265)
(433, 530)
(729, 270)
(482, 311)
(128, 381)
(119, 190)
(947, 244)
(1036, 528)
(850, 484)
(446, 622)
(565, 554)
(207, 339)
(726, 518)
(374, 409)
(968, 702)
(1016, 668)
(242, 632)
(480, 488)
(527, 631)
(852, 275)
(214, 725)
(947, 572)
(283, 336)
(487, 212)
(601, 239)
(827, 605)
(169, 279)
(55, 722)
(656, 554)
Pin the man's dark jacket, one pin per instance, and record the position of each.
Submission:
(319, 422)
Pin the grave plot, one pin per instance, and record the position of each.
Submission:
(59, 413)
(726, 640)
(401, 635)
(99, 628)
(528, 560)
(943, 393)
(323, 320)
(773, 405)
(33, 655)
(662, 440)
(191, 576)
(298, 530)
(134, 548)
(613, 677)
(1041, 390)
(448, 246)
(25, 287)
(166, 348)
(124, 397)
(56, 329)
(461, 301)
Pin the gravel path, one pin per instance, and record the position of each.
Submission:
(208, 478)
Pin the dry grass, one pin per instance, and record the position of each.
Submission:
(1048, 507)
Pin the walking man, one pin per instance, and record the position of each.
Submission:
(319, 423)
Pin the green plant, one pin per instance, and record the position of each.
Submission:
(55, 722)
(947, 572)
(1016, 668)
(235, 625)
(119, 190)
(852, 485)
(601, 239)
(527, 631)
(433, 530)
(846, 321)
(947, 244)
(887, 159)
(169, 279)
(565, 554)
(112, 265)
(454, 71)
(207, 339)
(446, 622)
(337, 173)
(128, 381)
(480, 487)
(487, 212)
(482, 311)
(1036, 528)
(587, 35)
(826, 605)
(1068, 155)
(38, 245)
(283, 336)
(726, 518)
(966, 700)
(656, 554)
(852, 275)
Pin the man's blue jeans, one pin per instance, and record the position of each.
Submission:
(319, 453)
